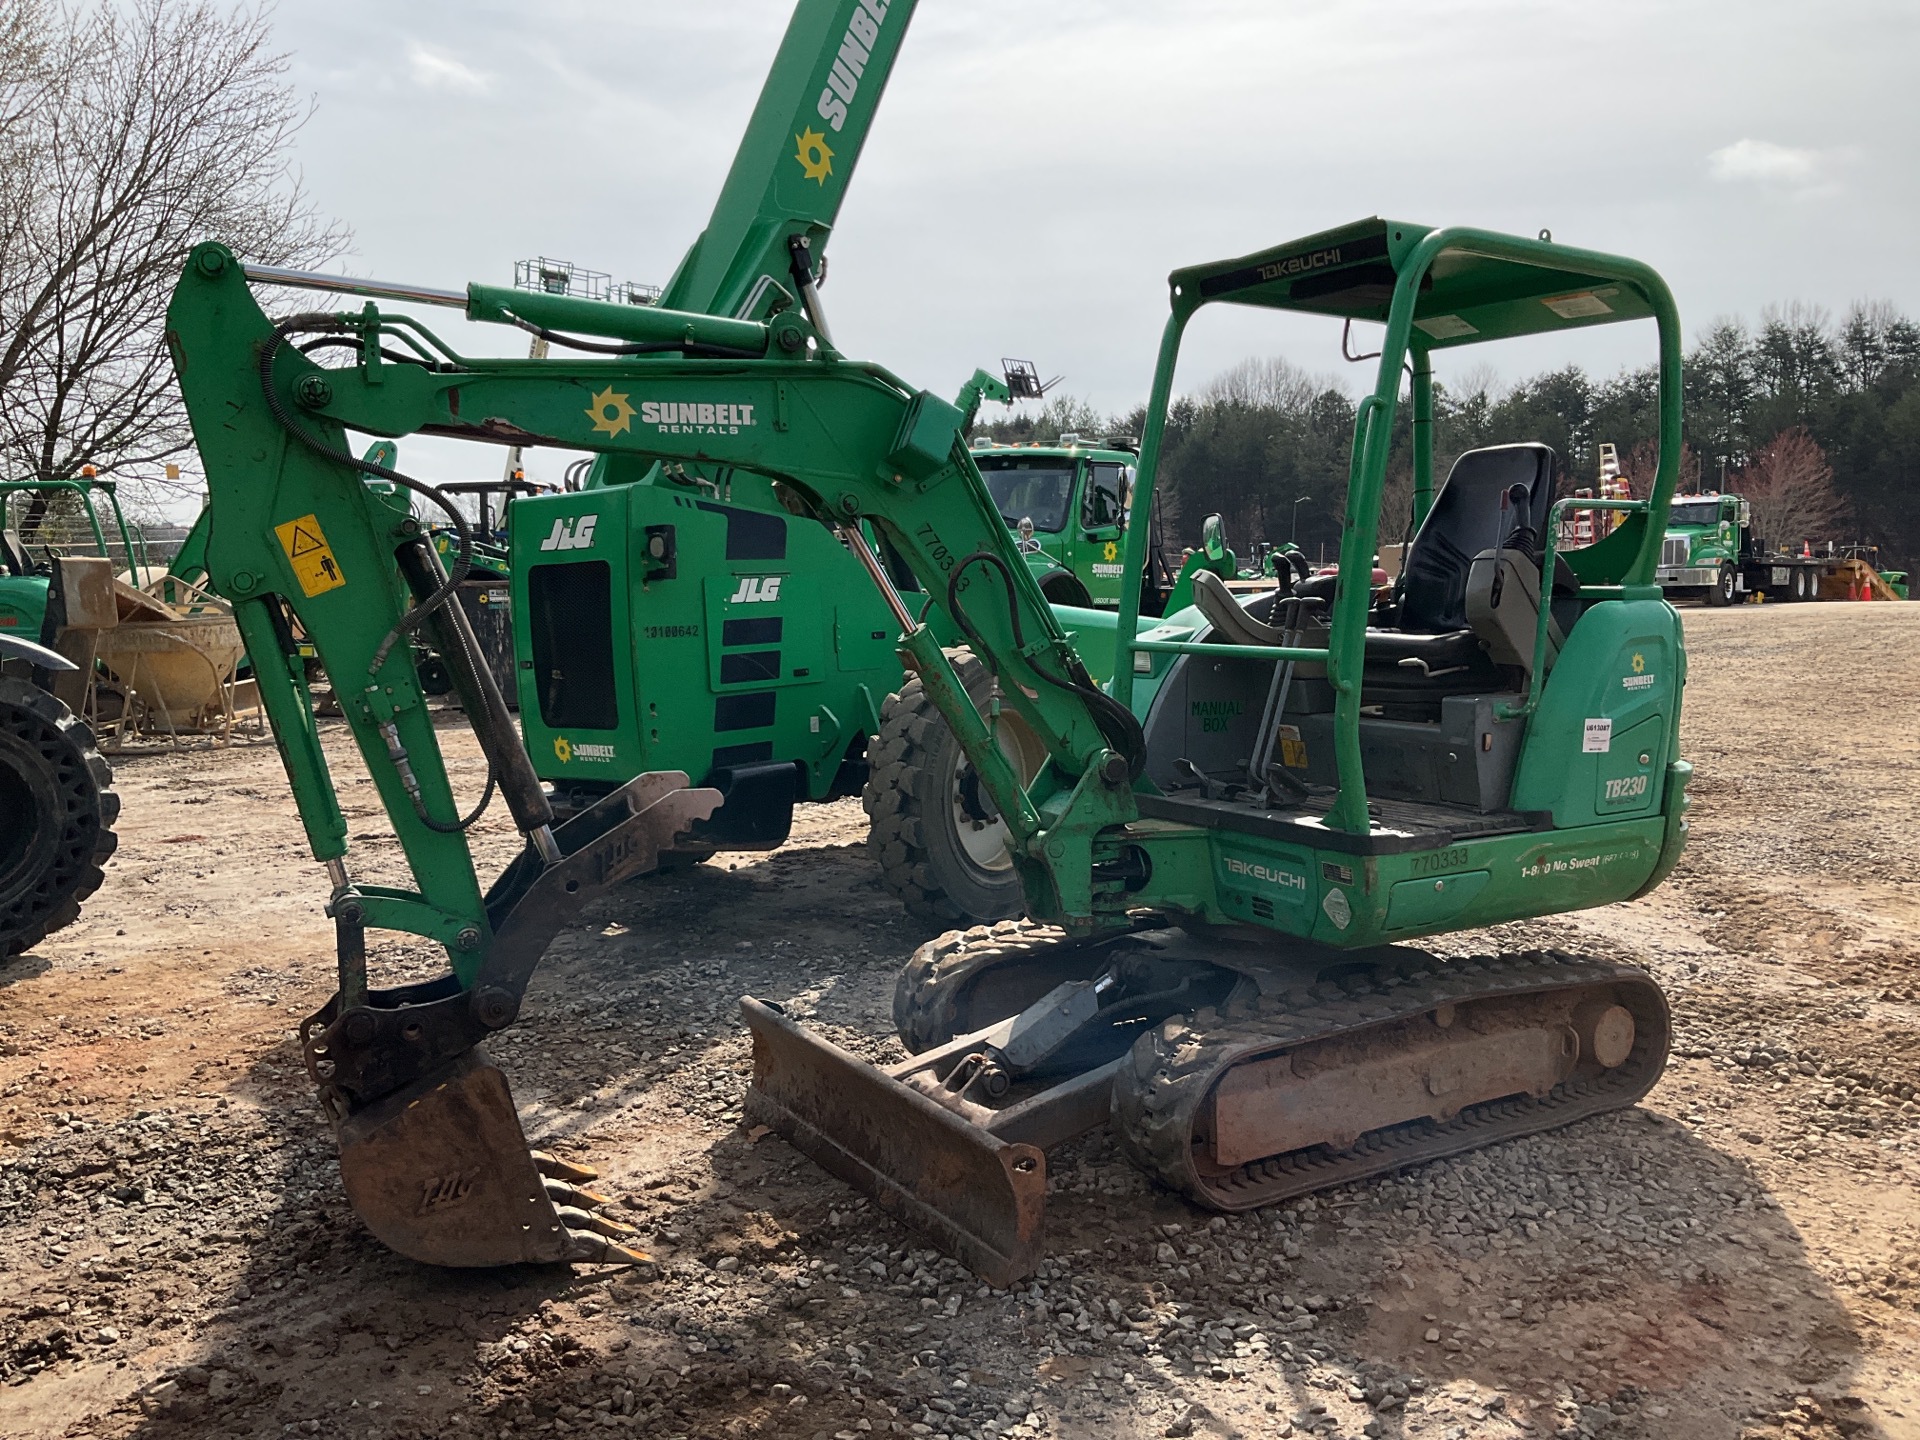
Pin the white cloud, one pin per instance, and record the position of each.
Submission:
(1765, 163)
(435, 71)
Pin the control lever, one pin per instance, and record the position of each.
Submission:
(1414, 662)
(1215, 789)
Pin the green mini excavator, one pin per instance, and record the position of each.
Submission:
(1232, 846)
(1224, 853)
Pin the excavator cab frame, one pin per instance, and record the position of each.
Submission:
(1433, 289)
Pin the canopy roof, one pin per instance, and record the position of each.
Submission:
(1526, 287)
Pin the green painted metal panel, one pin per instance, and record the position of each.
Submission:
(1609, 699)
(798, 153)
(1425, 903)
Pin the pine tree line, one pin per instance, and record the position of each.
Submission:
(1821, 420)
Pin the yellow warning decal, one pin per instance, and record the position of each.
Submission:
(1293, 749)
(313, 563)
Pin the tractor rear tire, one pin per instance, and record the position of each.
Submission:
(939, 841)
(54, 780)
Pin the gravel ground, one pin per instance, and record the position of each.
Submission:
(1737, 1257)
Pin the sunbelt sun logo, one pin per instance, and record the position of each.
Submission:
(571, 534)
(567, 751)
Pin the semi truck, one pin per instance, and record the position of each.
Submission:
(1712, 553)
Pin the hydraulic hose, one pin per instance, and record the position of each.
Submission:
(1117, 723)
(463, 562)
(423, 609)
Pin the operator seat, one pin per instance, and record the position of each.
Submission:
(1493, 506)
(1494, 499)
(1473, 512)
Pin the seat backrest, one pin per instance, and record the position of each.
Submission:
(1472, 513)
(13, 555)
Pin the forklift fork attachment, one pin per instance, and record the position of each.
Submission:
(981, 1197)
(440, 1171)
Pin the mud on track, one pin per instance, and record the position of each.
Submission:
(1740, 1256)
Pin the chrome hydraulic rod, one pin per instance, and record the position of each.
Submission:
(351, 285)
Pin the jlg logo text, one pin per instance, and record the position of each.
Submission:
(757, 589)
(574, 534)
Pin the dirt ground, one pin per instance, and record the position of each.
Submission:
(1737, 1257)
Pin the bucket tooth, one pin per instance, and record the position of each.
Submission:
(561, 1193)
(983, 1199)
(440, 1171)
(554, 1168)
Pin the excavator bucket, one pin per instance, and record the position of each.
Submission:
(441, 1172)
(981, 1198)
(431, 1150)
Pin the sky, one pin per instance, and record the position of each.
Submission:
(1035, 171)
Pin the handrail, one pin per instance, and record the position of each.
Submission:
(1536, 681)
(1133, 559)
(1214, 647)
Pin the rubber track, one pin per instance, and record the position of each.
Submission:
(87, 838)
(1158, 1097)
(926, 997)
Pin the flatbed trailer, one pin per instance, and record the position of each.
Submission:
(1711, 553)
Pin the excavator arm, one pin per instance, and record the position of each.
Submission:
(307, 540)
(856, 442)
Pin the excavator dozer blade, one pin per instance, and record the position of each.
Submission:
(982, 1198)
(441, 1172)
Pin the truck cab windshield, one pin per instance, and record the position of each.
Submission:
(1707, 513)
(1037, 488)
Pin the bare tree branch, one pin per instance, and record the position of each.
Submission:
(128, 133)
(1791, 489)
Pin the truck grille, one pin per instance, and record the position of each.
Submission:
(1674, 550)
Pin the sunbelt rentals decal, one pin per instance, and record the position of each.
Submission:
(613, 413)
(843, 83)
(567, 751)
(1641, 678)
(843, 79)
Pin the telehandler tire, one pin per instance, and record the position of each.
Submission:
(56, 795)
(939, 840)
